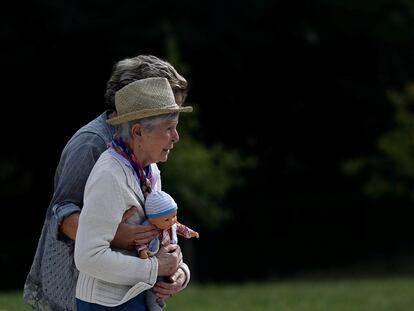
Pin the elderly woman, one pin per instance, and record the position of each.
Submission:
(111, 279)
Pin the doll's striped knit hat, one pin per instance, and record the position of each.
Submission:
(159, 203)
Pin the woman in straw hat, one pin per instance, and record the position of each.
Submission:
(146, 131)
(51, 282)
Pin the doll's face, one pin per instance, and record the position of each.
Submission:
(164, 222)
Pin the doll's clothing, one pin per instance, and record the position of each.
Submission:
(183, 230)
(165, 237)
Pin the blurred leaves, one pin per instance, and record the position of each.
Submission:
(202, 177)
(390, 171)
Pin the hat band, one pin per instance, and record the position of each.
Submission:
(156, 215)
(135, 115)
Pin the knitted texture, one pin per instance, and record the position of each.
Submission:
(159, 203)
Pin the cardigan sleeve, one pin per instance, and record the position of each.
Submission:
(186, 270)
(106, 197)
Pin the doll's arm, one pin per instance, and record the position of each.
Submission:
(185, 231)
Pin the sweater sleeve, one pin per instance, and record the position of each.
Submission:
(104, 205)
(76, 162)
(186, 270)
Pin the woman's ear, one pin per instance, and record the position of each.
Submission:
(137, 131)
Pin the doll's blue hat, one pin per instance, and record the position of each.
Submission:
(159, 203)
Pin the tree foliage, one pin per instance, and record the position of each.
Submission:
(202, 177)
(390, 171)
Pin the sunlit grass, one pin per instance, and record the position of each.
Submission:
(12, 301)
(342, 295)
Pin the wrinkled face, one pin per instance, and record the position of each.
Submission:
(164, 222)
(156, 143)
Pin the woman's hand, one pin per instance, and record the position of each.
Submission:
(127, 235)
(169, 259)
(164, 290)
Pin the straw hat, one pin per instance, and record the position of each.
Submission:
(145, 98)
(159, 203)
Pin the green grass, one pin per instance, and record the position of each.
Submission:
(12, 301)
(386, 294)
(345, 295)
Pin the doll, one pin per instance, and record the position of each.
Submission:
(161, 211)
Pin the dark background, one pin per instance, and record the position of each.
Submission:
(299, 85)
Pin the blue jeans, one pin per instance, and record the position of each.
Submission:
(135, 304)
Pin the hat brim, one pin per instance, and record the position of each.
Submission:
(136, 115)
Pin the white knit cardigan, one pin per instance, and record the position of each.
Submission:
(108, 276)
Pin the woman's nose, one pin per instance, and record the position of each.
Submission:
(176, 137)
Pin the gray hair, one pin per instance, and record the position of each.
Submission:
(141, 67)
(123, 130)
